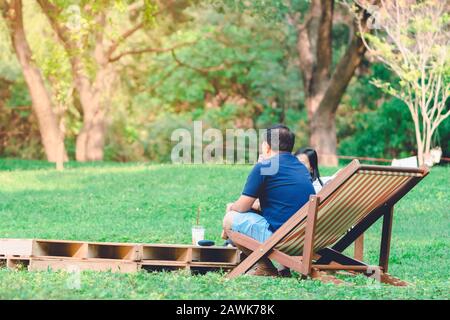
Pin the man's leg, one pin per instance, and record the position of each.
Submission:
(255, 226)
(227, 223)
(227, 220)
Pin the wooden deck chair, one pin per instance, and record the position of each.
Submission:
(312, 241)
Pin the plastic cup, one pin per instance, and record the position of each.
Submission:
(198, 233)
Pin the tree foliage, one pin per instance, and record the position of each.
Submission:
(227, 63)
(414, 42)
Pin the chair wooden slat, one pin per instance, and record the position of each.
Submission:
(372, 199)
(366, 190)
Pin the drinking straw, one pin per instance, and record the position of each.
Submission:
(198, 215)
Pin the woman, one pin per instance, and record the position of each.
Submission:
(308, 157)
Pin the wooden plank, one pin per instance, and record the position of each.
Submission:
(213, 264)
(186, 264)
(163, 263)
(85, 241)
(162, 245)
(359, 248)
(159, 245)
(422, 170)
(292, 262)
(309, 235)
(188, 259)
(386, 239)
(342, 267)
(61, 241)
(42, 264)
(13, 247)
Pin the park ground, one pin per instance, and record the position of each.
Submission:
(158, 204)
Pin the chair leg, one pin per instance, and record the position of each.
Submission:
(388, 279)
(308, 248)
(325, 277)
(386, 239)
(253, 250)
(245, 265)
(292, 262)
(359, 248)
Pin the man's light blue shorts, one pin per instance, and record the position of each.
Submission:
(252, 225)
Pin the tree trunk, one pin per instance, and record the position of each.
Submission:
(420, 142)
(324, 89)
(51, 135)
(323, 137)
(322, 130)
(94, 99)
(91, 139)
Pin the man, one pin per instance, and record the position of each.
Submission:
(281, 184)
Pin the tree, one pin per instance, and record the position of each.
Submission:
(324, 80)
(324, 85)
(413, 40)
(51, 135)
(93, 52)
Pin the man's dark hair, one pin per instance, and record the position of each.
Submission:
(285, 136)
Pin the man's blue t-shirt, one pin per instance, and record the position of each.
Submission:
(281, 192)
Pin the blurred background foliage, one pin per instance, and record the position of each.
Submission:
(239, 70)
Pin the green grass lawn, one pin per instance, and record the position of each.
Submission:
(158, 204)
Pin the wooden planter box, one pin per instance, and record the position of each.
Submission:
(41, 255)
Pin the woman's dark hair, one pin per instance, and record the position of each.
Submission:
(313, 162)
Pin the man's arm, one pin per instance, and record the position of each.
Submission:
(243, 204)
(251, 191)
(256, 205)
